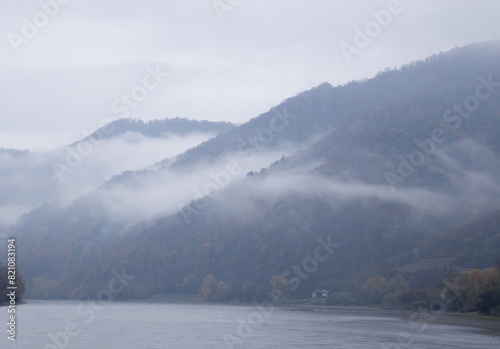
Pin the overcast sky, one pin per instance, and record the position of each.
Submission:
(71, 69)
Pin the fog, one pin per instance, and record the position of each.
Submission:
(32, 179)
(289, 155)
(66, 78)
(143, 196)
(229, 185)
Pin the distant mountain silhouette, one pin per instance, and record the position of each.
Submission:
(160, 128)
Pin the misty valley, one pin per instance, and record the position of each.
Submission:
(381, 193)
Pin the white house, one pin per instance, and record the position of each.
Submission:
(324, 294)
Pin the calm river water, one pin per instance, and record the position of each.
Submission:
(80, 325)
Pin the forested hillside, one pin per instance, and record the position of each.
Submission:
(397, 175)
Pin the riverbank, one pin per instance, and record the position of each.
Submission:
(480, 324)
(483, 324)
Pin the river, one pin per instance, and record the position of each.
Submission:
(122, 325)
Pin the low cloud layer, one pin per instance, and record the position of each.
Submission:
(32, 179)
(226, 184)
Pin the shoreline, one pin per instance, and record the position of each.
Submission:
(479, 324)
(472, 321)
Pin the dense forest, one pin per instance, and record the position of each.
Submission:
(162, 128)
(401, 199)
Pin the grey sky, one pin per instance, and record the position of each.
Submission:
(66, 78)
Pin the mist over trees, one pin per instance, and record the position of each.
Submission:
(387, 168)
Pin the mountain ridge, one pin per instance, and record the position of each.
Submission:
(321, 176)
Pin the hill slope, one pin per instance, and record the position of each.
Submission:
(353, 165)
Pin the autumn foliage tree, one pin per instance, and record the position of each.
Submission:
(477, 291)
(278, 283)
(209, 287)
(489, 297)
